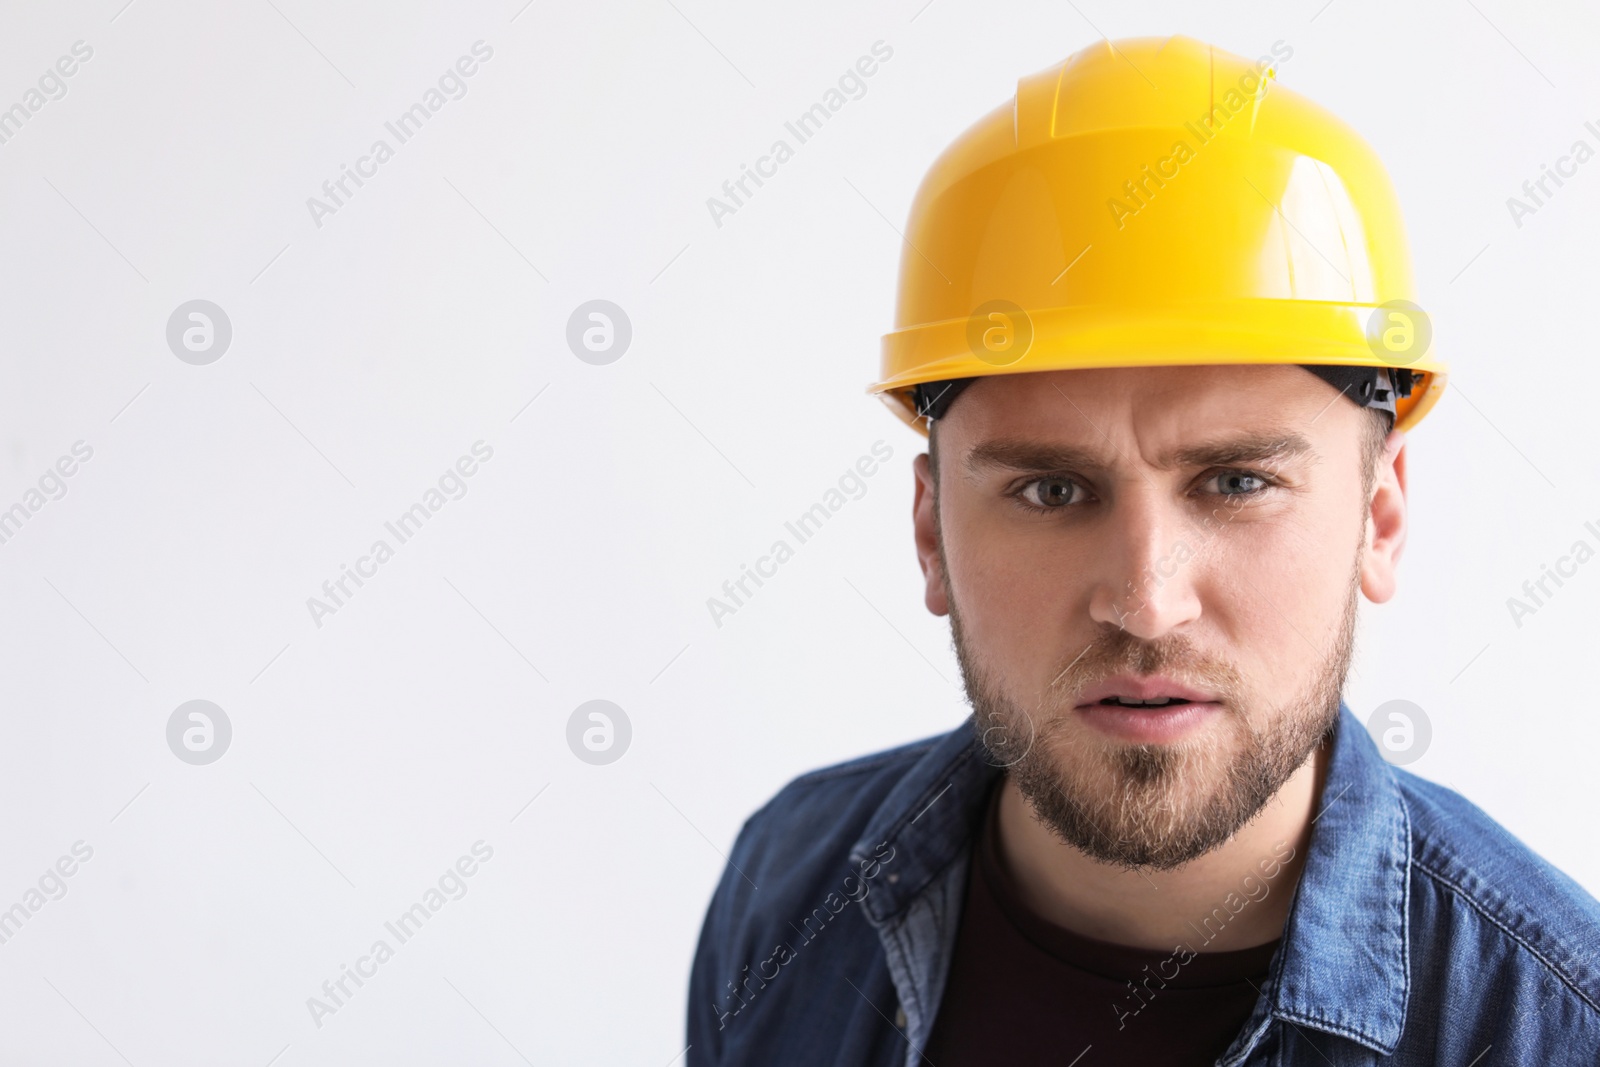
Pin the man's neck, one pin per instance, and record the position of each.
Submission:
(1236, 896)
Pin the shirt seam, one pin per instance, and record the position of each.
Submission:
(1339, 1029)
(1406, 842)
(1327, 1026)
(1481, 909)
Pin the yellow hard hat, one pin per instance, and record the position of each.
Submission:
(1152, 202)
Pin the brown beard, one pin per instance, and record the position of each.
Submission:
(1154, 806)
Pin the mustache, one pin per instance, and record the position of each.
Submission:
(1116, 651)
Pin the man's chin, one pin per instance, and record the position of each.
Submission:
(1101, 773)
(1154, 806)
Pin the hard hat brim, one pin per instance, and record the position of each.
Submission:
(1233, 332)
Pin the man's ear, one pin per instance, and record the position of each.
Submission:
(1386, 522)
(925, 522)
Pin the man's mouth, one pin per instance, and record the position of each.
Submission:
(1143, 692)
(1147, 709)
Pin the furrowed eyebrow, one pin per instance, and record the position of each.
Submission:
(1030, 456)
(1251, 448)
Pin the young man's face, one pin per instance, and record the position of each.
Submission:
(1199, 533)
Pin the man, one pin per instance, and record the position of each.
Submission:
(1155, 318)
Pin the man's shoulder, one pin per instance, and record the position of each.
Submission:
(817, 816)
(800, 847)
(1477, 874)
(792, 896)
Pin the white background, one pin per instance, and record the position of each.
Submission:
(370, 352)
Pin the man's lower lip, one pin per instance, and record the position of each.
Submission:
(1150, 725)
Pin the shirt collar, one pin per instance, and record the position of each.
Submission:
(929, 818)
(1343, 965)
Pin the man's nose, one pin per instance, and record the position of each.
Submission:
(1145, 581)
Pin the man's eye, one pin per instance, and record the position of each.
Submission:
(1237, 483)
(1051, 492)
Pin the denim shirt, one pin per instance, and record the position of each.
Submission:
(1420, 932)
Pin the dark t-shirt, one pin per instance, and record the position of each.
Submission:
(1025, 991)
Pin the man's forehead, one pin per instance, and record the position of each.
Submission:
(1198, 387)
(1171, 416)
